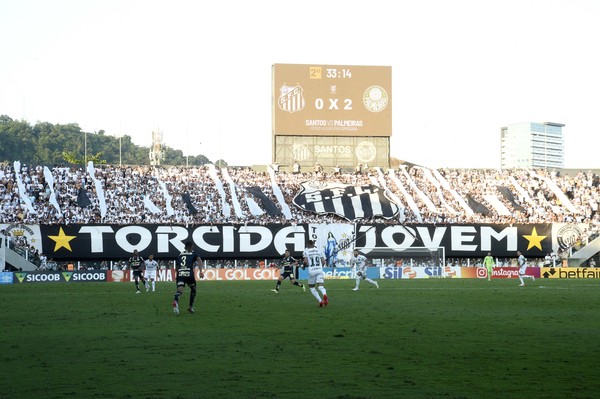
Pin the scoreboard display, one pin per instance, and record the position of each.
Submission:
(332, 100)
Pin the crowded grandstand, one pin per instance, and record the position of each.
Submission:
(188, 196)
(144, 194)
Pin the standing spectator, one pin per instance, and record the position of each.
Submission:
(548, 260)
(52, 265)
(523, 269)
(43, 262)
(313, 259)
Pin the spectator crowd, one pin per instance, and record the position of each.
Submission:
(143, 194)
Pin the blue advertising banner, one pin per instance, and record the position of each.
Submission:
(6, 278)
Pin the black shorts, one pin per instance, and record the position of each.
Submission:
(289, 275)
(182, 281)
(137, 274)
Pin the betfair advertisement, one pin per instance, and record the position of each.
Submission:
(569, 272)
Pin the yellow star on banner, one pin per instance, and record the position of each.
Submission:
(534, 240)
(62, 240)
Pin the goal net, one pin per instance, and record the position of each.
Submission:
(414, 256)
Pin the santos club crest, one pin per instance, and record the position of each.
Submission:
(350, 202)
(291, 99)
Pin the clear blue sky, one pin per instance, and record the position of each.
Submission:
(201, 71)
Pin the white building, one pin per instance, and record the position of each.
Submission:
(532, 145)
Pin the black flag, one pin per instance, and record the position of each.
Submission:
(188, 202)
(265, 201)
(505, 191)
(478, 206)
(82, 198)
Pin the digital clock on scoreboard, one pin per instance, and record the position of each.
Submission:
(317, 72)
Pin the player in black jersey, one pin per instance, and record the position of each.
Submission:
(136, 263)
(185, 275)
(287, 271)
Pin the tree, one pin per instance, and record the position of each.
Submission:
(47, 144)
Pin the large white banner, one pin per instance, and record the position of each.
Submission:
(569, 235)
(335, 240)
(29, 233)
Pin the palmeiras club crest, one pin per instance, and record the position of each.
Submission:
(291, 99)
(347, 201)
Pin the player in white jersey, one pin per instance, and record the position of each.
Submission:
(523, 269)
(313, 259)
(359, 262)
(151, 267)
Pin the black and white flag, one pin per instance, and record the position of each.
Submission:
(347, 201)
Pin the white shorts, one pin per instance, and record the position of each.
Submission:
(150, 274)
(316, 276)
(522, 270)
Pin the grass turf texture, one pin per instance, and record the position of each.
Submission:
(410, 338)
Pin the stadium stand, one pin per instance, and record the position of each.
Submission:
(143, 194)
(207, 194)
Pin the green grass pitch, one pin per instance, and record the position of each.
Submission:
(434, 338)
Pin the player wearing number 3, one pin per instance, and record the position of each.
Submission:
(185, 275)
(313, 259)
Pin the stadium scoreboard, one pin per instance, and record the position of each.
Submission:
(332, 100)
(334, 115)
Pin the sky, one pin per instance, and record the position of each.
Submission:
(200, 72)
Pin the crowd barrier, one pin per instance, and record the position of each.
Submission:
(246, 274)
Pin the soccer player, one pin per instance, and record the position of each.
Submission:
(287, 271)
(488, 263)
(359, 261)
(136, 263)
(313, 259)
(185, 275)
(151, 266)
(523, 268)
